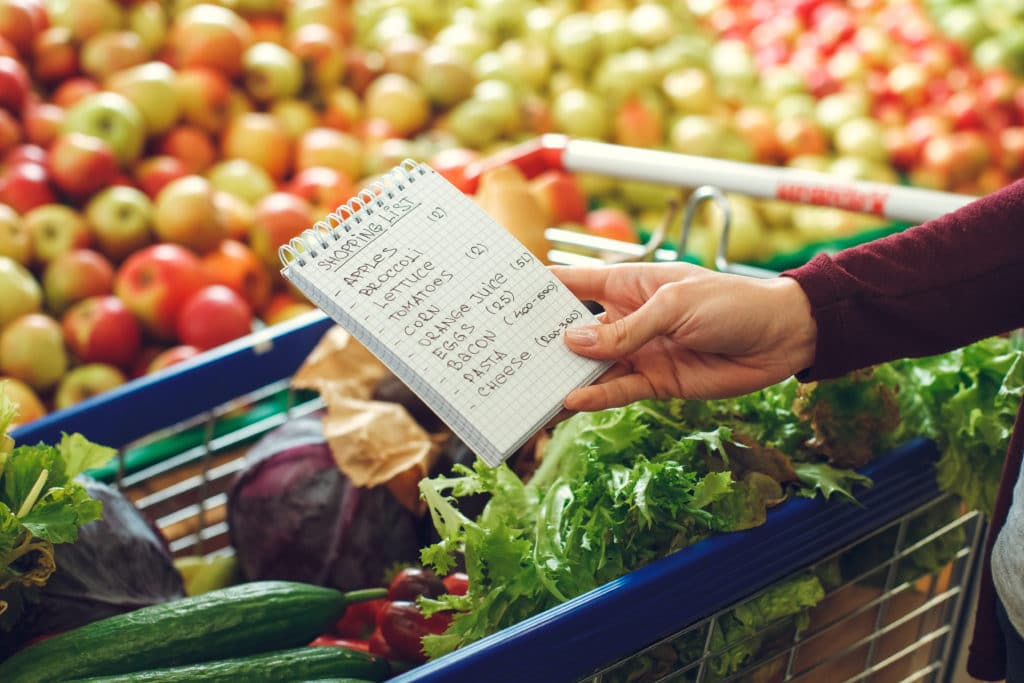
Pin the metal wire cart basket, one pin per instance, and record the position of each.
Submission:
(880, 612)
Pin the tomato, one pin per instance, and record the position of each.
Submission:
(412, 582)
(404, 626)
(456, 583)
(359, 619)
(379, 645)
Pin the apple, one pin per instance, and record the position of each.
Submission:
(191, 146)
(20, 22)
(204, 95)
(321, 53)
(86, 381)
(342, 109)
(235, 213)
(26, 186)
(323, 187)
(121, 220)
(152, 173)
(800, 136)
(331, 148)
(446, 75)
(54, 55)
(213, 316)
(581, 114)
(81, 164)
(76, 275)
(260, 138)
(295, 114)
(101, 329)
(155, 282)
(107, 53)
(20, 294)
(863, 137)
(112, 118)
(32, 350)
(10, 131)
(271, 72)
(560, 196)
(73, 90)
(172, 356)
(151, 87)
(25, 399)
(280, 217)
(212, 36)
(612, 223)
(15, 85)
(242, 178)
(15, 240)
(185, 213)
(639, 122)
(8, 50)
(332, 14)
(234, 265)
(88, 18)
(56, 229)
(42, 122)
(399, 100)
(284, 306)
(149, 20)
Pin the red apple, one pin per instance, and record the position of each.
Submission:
(236, 215)
(26, 153)
(213, 316)
(101, 329)
(185, 213)
(612, 223)
(153, 173)
(212, 36)
(42, 122)
(204, 95)
(26, 186)
(86, 381)
(10, 131)
(107, 53)
(331, 148)
(154, 284)
(32, 350)
(279, 217)
(453, 163)
(14, 85)
(560, 195)
(639, 122)
(322, 187)
(191, 146)
(76, 275)
(8, 50)
(20, 21)
(73, 90)
(322, 54)
(172, 356)
(234, 265)
(81, 164)
(54, 55)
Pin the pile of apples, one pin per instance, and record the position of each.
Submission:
(154, 154)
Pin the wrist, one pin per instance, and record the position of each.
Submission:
(798, 329)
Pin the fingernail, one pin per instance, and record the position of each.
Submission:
(582, 336)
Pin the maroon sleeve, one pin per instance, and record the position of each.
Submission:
(928, 289)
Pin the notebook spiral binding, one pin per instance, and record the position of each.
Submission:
(335, 224)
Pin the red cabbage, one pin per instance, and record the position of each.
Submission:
(293, 515)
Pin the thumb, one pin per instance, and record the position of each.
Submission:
(615, 339)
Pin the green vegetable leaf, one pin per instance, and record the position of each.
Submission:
(58, 514)
(820, 477)
(23, 470)
(80, 454)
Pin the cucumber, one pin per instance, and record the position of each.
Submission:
(250, 618)
(304, 663)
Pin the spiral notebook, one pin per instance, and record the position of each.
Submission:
(451, 302)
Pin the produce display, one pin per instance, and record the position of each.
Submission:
(154, 155)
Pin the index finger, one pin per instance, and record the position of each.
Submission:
(586, 282)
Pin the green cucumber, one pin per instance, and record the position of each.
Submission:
(304, 663)
(250, 618)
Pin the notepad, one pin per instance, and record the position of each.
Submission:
(451, 302)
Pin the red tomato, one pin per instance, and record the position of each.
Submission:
(412, 582)
(359, 619)
(612, 223)
(456, 583)
(404, 626)
(379, 645)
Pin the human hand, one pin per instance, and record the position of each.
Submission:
(679, 330)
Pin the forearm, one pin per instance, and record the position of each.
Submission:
(929, 289)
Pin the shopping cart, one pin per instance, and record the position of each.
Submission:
(182, 436)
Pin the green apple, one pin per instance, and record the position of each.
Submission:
(112, 118)
(582, 114)
(149, 21)
(20, 294)
(15, 240)
(271, 72)
(56, 229)
(121, 219)
(399, 100)
(296, 115)
(86, 381)
(113, 51)
(446, 75)
(151, 88)
(32, 350)
(242, 178)
(86, 18)
(185, 213)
